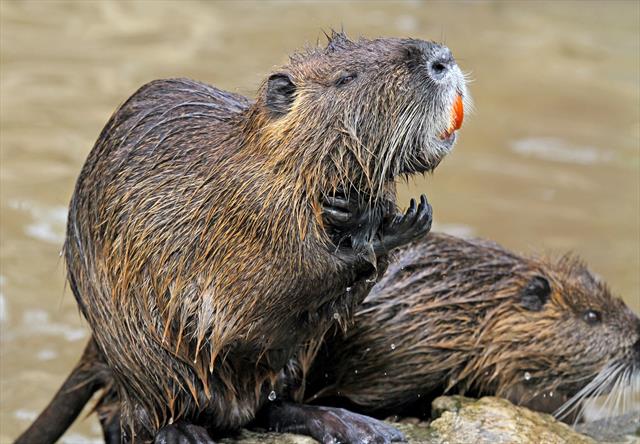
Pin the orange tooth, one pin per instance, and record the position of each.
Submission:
(457, 115)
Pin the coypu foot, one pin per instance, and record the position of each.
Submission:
(402, 229)
(360, 224)
(327, 425)
(182, 433)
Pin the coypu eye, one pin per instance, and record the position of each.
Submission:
(592, 317)
(346, 78)
(535, 294)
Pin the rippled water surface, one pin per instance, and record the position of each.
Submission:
(549, 161)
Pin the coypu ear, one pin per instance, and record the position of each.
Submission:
(535, 294)
(280, 93)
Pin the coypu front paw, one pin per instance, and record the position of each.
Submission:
(344, 213)
(182, 433)
(350, 224)
(328, 425)
(402, 229)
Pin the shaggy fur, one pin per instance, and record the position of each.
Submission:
(467, 316)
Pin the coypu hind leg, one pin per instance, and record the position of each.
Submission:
(327, 424)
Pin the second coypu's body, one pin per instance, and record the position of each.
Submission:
(467, 316)
(196, 246)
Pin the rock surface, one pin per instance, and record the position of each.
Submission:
(464, 421)
(621, 429)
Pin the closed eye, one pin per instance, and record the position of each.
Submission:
(343, 80)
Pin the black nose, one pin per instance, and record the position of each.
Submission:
(439, 62)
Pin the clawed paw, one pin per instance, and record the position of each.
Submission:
(414, 224)
(182, 433)
(343, 212)
(335, 425)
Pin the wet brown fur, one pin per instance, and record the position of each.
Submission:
(467, 316)
(195, 245)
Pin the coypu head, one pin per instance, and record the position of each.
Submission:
(562, 338)
(372, 110)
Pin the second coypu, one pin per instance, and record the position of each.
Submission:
(468, 316)
(206, 234)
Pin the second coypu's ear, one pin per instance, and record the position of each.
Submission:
(535, 294)
(280, 93)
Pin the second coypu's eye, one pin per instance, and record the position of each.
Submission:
(345, 78)
(592, 317)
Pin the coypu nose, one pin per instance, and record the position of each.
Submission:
(439, 63)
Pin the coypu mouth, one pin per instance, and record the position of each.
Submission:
(457, 116)
(616, 385)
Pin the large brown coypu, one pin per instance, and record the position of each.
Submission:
(209, 237)
(467, 316)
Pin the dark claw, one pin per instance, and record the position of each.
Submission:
(340, 211)
(414, 224)
(339, 202)
(182, 433)
(335, 216)
(411, 211)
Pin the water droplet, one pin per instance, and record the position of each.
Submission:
(550, 394)
(418, 395)
(367, 350)
(385, 373)
(527, 376)
(355, 371)
(369, 281)
(336, 316)
(393, 346)
(272, 396)
(348, 289)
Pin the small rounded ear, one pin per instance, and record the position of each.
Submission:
(535, 294)
(280, 93)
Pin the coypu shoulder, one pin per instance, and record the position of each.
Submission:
(200, 243)
(468, 316)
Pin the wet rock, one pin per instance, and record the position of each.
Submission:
(494, 421)
(621, 429)
(248, 437)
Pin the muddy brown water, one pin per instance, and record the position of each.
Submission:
(548, 162)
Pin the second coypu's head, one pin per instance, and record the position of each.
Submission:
(360, 113)
(562, 338)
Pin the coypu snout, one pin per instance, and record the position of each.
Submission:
(440, 63)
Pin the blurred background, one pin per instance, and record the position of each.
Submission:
(549, 162)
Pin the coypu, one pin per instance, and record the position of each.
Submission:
(210, 236)
(467, 316)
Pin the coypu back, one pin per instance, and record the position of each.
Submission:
(468, 316)
(196, 246)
